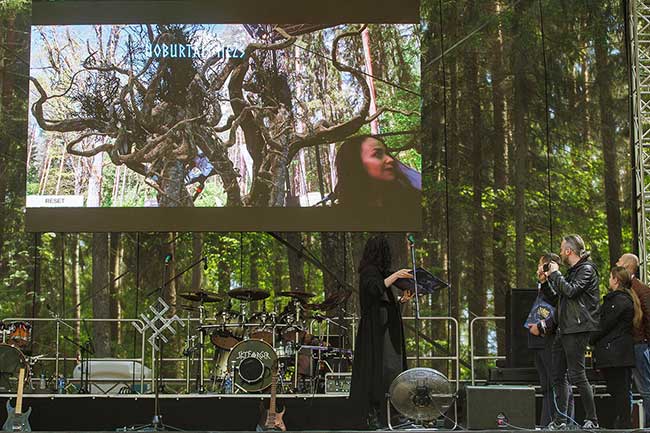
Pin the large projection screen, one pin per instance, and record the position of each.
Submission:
(142, 120)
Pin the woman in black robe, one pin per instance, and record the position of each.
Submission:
(380, 353)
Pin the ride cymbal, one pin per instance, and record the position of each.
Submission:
(248, 294)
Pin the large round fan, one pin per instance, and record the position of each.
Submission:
(421, 394)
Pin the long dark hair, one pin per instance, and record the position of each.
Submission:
(624, 278)
(354, 186)
(376, 253)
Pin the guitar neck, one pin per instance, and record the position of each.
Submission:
(19, 396)
(274, 378)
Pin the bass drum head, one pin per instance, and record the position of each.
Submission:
(253, 361)
(11, 361)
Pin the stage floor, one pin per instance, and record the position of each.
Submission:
(195, 412)
(314, 413)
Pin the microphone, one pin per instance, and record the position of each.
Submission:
(205, 263)
(411, 238)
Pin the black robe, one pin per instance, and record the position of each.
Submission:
(380, 354)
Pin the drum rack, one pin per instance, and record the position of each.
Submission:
(52, 359)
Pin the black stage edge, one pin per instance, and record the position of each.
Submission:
(211, 412)
(224, 11)
(78, 412)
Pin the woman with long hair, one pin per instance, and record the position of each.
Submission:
(379, 354)
(614, 344)
(369, 176)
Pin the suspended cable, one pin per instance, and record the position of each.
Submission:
(472, 33)
(548, 130)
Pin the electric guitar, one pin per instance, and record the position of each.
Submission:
(270, 419)
(17, 421)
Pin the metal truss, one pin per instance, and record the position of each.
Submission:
(639, 48)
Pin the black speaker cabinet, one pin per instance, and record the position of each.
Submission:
(486, 404)
(518, 304)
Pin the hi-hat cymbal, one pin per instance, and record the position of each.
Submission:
(248, 294)
(297, 294)
(201, 296)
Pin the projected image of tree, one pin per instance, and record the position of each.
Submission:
(213, 115)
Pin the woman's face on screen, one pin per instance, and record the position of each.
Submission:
(377, 163)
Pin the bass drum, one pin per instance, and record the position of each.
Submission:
(11, 361)
(253, 361)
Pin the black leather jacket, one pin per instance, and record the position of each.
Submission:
(577, 295)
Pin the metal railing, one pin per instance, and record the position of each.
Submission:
(474, 357)
(57, 359)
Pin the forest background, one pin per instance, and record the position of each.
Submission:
(524, 139)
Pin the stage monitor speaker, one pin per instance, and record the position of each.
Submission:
(498, 406)
(518, 304)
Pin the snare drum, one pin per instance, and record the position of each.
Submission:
(11, 361)
(19, 334)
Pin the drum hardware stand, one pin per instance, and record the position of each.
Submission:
(85, 351)
(158, 324)
(411, 241)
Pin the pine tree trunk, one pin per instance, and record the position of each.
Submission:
(115, 259)
(296, 262)
(607, 130)
(76, 286)
(197, 254)
(520, 109)
(477, 298)
(101, 295)
(500, 156)
(94, 198)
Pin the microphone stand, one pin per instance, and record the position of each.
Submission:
(184, 271)
(417, 303)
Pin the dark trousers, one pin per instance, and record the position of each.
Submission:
(544, 366)
(618, 386)
(569, 362)
(641, 375)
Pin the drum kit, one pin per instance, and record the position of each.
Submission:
(15, 339)
(247, 344)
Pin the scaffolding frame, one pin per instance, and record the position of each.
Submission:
(638, 45)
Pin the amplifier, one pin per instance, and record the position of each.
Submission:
(491, 407)
(338, 383)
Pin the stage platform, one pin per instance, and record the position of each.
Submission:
(202, 412)
(196, 412)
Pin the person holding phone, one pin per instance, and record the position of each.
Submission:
(380, 353)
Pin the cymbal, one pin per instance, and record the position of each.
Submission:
(248, 294)
(201, 296)
(297, 294)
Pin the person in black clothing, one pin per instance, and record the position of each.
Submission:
(577, 298)
(614, 342)
(379, 354)
(541, 326)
